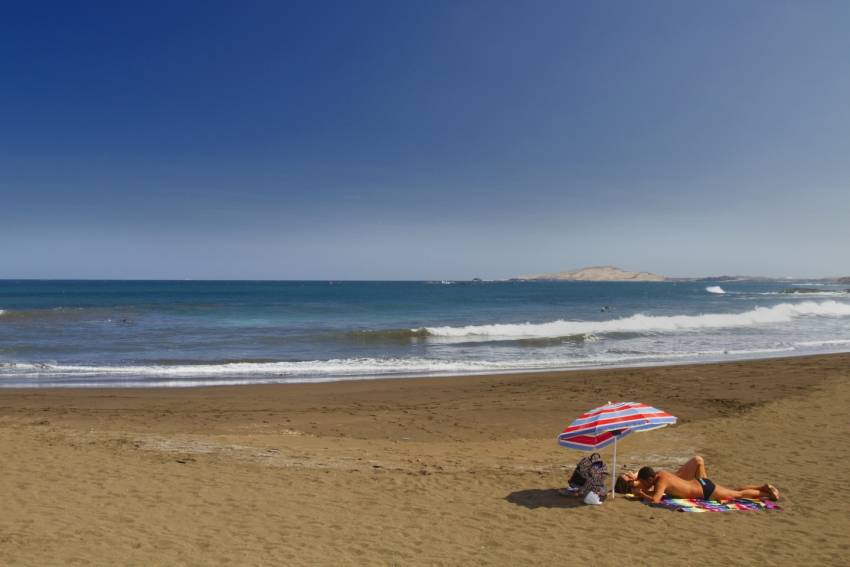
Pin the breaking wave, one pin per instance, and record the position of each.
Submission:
(556, 341)
(384, 335)
(782, 313)
(807, 294)
(222, 374)
(413, 335)
(715, 289)
(832, 342)
(257, 372)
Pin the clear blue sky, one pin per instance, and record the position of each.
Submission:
(402, 139)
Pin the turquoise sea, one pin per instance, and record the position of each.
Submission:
(190, 333)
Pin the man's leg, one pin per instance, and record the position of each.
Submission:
(751, 492)
(766, 490)
(693, 469)
(723, 493)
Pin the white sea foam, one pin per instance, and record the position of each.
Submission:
(715, 289)
(823, 343)
(805, 295)
(36, 374)
(340, 367)
(781, 313)
(312, 371)
(745, 352)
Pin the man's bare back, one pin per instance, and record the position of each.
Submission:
(667, 483)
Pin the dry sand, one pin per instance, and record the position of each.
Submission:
(438, 471)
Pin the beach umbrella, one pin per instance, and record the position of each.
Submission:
(606, 424)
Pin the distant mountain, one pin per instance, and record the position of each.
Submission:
(597, 274)
(615, 274)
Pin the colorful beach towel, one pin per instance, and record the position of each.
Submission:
(695, 505)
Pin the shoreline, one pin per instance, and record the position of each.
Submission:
(419, 471)
(609, 383)
(131, 384)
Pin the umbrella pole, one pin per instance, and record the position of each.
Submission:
(614, 471)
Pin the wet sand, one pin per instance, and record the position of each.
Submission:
(432, 471)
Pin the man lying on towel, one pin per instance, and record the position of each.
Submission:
(695, 468)
(688, 482)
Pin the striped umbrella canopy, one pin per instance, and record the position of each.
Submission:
(606, 424)
(592, 442)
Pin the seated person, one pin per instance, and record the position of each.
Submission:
(654, 486)
(693, 469)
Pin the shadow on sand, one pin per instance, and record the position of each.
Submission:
(543, 498)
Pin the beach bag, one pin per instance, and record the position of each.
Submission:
(589, 476)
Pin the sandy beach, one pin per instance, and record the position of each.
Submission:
(433, 471)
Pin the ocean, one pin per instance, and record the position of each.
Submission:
(194, 333)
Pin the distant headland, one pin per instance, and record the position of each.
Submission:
(615, 274)
(597, 274)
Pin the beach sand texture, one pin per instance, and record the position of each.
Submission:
(437, 471)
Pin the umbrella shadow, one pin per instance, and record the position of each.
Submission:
(543, 498)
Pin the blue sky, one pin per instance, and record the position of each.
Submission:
(417, 140)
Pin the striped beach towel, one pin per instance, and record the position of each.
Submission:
(695, 505)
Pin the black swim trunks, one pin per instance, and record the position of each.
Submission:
(707, 488)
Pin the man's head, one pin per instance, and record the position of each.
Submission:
(646, 473)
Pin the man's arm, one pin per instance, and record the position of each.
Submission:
(658, 489)
(637, 491)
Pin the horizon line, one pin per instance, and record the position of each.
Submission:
(668, 279)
